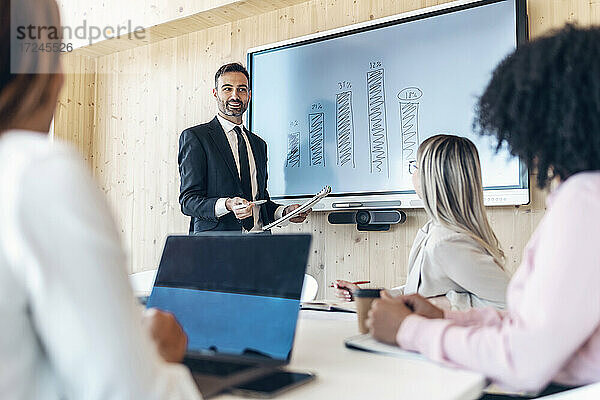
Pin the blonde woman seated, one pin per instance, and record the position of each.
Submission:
(456, 257)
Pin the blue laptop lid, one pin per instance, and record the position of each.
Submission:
(234, 294)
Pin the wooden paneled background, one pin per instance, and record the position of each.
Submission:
(159, 19)
(125, 111)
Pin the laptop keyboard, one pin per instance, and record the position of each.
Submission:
(214, 367)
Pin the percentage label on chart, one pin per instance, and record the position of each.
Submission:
(344, 85)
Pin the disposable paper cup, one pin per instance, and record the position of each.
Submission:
(364, 298)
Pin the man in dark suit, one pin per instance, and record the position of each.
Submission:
(223, 166)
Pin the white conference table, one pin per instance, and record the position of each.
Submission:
(350, 374)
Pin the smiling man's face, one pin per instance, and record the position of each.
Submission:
(232, 94)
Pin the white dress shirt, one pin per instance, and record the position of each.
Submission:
(71, 328)
(220, 208)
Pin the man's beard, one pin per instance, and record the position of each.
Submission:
(225, 109)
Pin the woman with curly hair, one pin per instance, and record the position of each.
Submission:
(543, 102)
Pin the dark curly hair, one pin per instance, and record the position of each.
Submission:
(544, 102)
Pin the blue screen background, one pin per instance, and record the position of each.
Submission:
(229, 322)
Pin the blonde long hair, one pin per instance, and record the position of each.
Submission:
(452, 191)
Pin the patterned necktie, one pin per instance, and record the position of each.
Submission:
(247, 223)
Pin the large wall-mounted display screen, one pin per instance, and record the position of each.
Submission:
(348, 108)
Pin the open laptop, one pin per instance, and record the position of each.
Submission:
(237, 298)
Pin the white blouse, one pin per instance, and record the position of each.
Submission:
(71, 328)
(446, 263)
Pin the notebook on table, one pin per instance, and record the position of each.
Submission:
(326, 305)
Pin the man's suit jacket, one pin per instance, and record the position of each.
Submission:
(208, 172)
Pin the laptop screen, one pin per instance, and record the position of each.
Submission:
(233, 294)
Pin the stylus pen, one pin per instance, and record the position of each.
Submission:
(255, 202)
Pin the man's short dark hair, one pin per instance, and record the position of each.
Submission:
(544, 101)
(232, 67)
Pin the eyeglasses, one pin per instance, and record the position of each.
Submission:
(412, 166)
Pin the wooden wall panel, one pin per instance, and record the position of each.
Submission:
(144, 13)
(159, 19)
(76, 108)
(136, 102)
